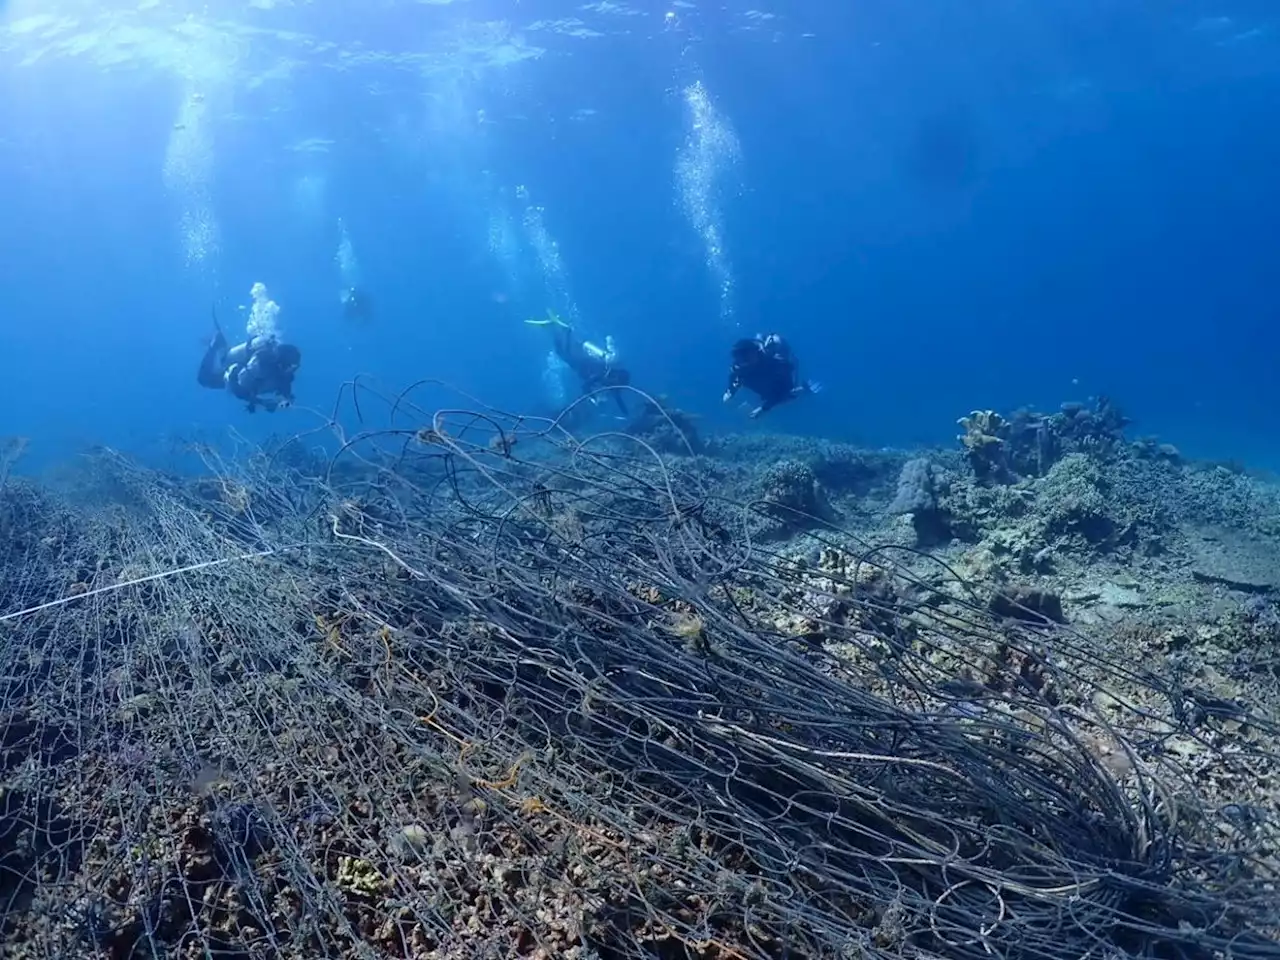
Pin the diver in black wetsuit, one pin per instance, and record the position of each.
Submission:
(596, 366)
(767, 367)
(259, 371)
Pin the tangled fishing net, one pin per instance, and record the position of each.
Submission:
(473, 687)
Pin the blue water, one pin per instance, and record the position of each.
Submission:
(943, 206)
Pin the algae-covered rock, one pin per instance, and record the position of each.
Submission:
(1030, 604)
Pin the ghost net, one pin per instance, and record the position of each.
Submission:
(475, 687)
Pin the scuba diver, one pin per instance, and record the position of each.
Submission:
(356, 305)
(596, 366)
(767, 367)
(259, 371)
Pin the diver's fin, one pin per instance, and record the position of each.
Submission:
(552, 320)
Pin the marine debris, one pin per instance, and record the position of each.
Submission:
(421, 694)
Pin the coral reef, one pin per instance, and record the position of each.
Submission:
(1041, 490)
(1028, 444)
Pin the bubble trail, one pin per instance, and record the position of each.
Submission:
(188, 170)
(547, 250)
(710, 150)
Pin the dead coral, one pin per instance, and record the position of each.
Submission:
(917, 495)
(793, 497)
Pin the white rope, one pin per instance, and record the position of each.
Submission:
(133, 583)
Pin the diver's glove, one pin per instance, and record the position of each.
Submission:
(812, 386)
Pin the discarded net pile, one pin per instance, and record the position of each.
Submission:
(476, 688)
